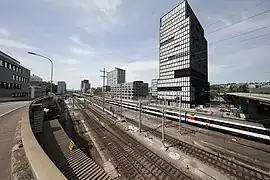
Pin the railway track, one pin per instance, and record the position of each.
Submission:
(133, 160)
(225, 164)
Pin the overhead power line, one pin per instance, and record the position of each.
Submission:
(237, 13)
(256, 15)
(205, 58)
(248, 39)
(232, 37)
(254, 37)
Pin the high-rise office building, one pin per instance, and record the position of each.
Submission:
(61, 87)
(117, 76)
(183, 68)
(85, 86)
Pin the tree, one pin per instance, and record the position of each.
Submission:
(213, 94)
(243, 88)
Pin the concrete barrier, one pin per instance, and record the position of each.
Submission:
(41, 165)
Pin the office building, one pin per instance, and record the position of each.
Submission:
(183, 67)
(37, 87)
(116, 76)
(14, 78)
(130, 90)
(61, 87)
(85, 86)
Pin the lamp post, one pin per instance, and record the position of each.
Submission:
(35, 54)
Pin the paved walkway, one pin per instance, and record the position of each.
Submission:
(8, 124)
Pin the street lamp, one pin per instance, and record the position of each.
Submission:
(35, 54)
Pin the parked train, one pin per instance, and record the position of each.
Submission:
(254, 132)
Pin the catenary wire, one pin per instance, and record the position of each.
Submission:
(233, 14)
(243, 20)
(232, 43)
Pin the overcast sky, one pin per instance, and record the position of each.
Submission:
(84, 36)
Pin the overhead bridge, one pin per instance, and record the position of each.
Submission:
(258, 105)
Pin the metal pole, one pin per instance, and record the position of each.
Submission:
(51, 74)
(163, 128)
(121, 109)
(180, 102)
(165, 108)
(103, 88)
(140, 115)
(35, 54)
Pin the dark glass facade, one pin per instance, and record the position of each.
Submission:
(183, 68)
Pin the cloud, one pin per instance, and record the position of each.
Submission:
(70, 61)
(69, 69)
(237, 63)
(16, 44)
(79, 42)
(96, 17)
(107, 6)
(4, 32)
(81, 51)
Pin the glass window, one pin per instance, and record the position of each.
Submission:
(1, 62)
(13, 77)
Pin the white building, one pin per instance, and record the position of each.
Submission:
(61, 87)
(37, 87)
(130, 90)
(154, 86)
(116, 76)
(183, 68)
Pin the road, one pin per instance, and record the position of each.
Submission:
(10, 114)
(10, 106)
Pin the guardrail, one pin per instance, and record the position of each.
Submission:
(41, 165)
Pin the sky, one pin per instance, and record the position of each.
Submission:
(84, 36)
